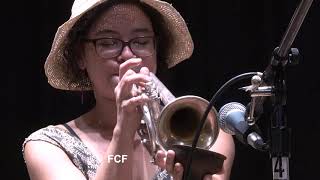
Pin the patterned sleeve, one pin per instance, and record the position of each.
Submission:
(39, 135)
(78, 153)
(162, 175)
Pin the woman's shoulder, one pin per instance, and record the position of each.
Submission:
(51, 134)
(47, 131)
(72, 146)
(55, 134)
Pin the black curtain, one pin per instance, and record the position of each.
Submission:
(231, 37)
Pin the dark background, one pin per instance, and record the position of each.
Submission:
(231, 37)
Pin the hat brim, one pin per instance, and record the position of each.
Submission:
(180, 48)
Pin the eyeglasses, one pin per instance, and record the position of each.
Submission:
(111, 47)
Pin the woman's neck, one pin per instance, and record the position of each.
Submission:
(103, 115)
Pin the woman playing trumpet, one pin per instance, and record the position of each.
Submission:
(97, 49)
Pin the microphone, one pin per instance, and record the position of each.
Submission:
(232, 121)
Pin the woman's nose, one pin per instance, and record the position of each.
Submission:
(126, 54)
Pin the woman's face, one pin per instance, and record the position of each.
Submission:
(123, 22)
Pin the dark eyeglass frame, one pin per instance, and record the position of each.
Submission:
(123, 43)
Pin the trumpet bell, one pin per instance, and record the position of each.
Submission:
(179, 120)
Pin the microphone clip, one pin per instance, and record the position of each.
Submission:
(258, 91)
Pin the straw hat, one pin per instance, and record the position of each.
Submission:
(56, 68)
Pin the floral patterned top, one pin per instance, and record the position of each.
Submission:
(76, 150)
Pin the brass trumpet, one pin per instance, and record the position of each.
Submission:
(169, 121)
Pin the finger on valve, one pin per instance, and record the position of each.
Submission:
(177, 171)
(170, 161)
(160, 159)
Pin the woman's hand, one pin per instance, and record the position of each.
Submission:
(128, 100)
(165, 160)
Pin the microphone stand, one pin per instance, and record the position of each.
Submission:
(275, 75)
(274, 78)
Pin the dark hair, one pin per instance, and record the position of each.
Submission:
(73, 52)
